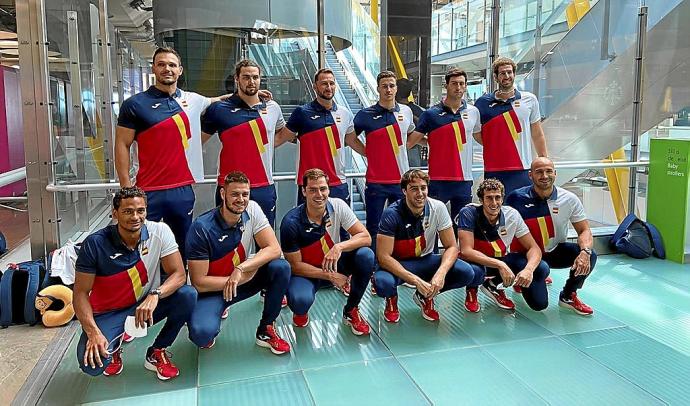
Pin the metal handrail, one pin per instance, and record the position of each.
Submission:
(10, 177)
(74, 187)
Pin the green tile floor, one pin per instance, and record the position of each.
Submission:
(634, 350)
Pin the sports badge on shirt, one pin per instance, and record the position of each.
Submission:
(264, 111)
(184, 103)
(516, 103)
(555, 210)
(503, 232)
(337, 119)
(465, 116)
(401, 117)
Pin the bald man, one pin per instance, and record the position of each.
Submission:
(547, 210)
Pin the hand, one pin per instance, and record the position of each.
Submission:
(265, 95)
(437, 283)
(506, 275)
(338, 280)
(144, 312)
(424, 288)
(230, 288)
(330, 261)
(523, 278)
(96, 348)
(581, 265)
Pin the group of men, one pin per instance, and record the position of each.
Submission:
(232, 253)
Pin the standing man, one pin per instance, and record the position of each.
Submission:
(386, 125)
(547, 210)
(118, 275)
(310, 237)
(246, 127)
(164, 125)
(511, 123)
(486, 232)
(322, 129)
(220, 243)
(447, 127)
(408, 230)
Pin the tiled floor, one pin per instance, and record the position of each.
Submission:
(634, 350)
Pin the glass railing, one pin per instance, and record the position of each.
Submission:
(366, 37)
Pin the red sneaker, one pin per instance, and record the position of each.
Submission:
(575, 304)
(357, 323)
(115, 366)
(271, 340)
(391, 313)
(471, 302)
(499, 297)
(225, 313)
(517, 289)
(346, 289)
(127, 338)
(300, 320)
(427, 306)
(209, 345)
(283, 303)
(548, 280)
(159, 361)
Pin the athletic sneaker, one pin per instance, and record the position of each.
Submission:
(427, 306)
(517, 289)
(300, 320)
(391, 313)
(346, 289)
(499, 297)
(471, 302)
(225, 313)
(115, 366)
(357, 323)
(548, 280)
(209, 345)
(271, 340)
(127, 338)
(408, 285)
(575, 304)
(262, 298)
(159, 361)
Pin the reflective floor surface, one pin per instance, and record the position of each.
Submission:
(634, 350)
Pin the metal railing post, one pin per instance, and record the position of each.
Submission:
(637, 104)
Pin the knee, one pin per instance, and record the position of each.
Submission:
(299, 301)
(539, 305)
(463, 271)
(479, 272)
(186, 297)
(98, 371)
(364, 261)
(279, 270)
(542, 271)
(201, 333)
(384, 282)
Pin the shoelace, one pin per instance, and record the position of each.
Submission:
(165, 355)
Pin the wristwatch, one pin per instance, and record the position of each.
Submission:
(587, 250)
(156, 292)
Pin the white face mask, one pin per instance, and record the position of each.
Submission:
(132, 329)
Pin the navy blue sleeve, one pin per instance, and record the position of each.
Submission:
(295, 121)
(208, 122)
(512, 199)
(196, 243)
(289, 233)
(467, 218)
(389, 222)
(127, 117)
(424, 123)
(87, 259)
(359, 122)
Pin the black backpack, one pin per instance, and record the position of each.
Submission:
(638, 239)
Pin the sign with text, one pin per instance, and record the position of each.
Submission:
(667, 193)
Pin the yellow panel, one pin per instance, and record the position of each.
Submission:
(257, 136)
(458, 135)
(136, 281)
(394, 139)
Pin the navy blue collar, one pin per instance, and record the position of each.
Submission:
(319, 107)
(534, 195)
(408, 212)
(379, 108)
(218, 216)
(237, 100)
(157, 93)
(516, 96)
(304, 218)
(482, 217)
(116, 239)
(447, 109)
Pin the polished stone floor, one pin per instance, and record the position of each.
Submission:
(634, 350)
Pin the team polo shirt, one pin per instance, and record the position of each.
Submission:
(167, 149)
(489, 239)
(124, 276)
(506, 130)
(450, 140)
(247, 135)
(314, 241)
(547, 219)
(211, 238)
(386, 138)
(414, 235)
(321, 138)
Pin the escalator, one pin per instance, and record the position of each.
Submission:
(586, 83)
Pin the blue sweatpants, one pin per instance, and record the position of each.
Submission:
(461, 274)
(375, 197)
(458, 193)
(536, 295)
(563, 256)
(175, 308)
(265, 196)
(358, 263)
(511, 179)
(174, 207)
(204, 324)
